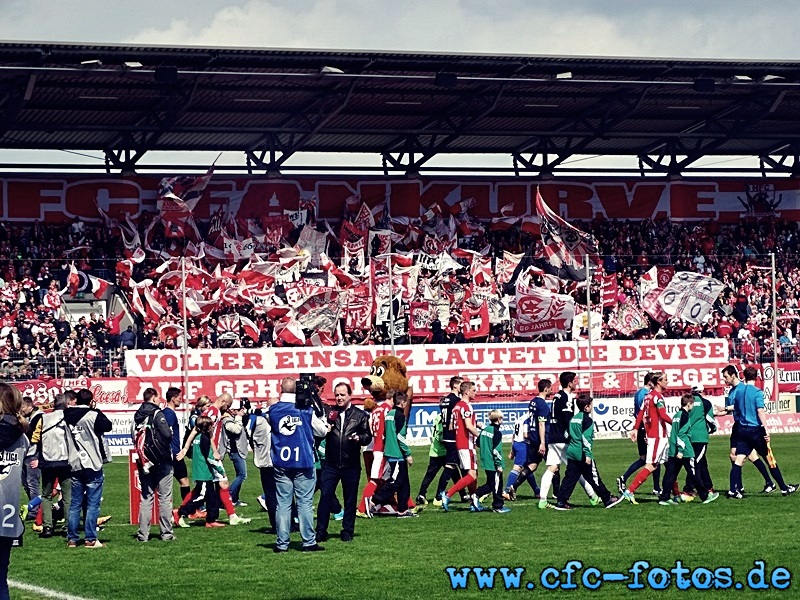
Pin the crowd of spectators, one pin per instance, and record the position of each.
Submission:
(40, 340)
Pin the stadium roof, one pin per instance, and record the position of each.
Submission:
(269, 104)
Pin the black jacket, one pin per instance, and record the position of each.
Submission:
(339, 450)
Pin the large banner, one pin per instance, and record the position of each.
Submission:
(501, 371)
(64, 198)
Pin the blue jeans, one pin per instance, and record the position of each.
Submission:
(240, 466)
(298, 483)
(90, 484)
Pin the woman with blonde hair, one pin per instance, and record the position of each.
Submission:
(13, 447)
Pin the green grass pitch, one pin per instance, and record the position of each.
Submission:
(394, 558)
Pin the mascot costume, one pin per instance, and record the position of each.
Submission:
(387, 375)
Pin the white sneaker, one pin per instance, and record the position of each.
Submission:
(235, 519)
(262, 502)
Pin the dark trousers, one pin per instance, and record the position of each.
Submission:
(398, 483)
(674, 465)
(204, 492)
(49, 477)
(435, 463)
(270, 494)
(702, 474)
(494, 484)
(350, 476)
(5, 556)
(576, 469)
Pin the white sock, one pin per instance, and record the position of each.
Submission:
(545, 484)
(587, 488)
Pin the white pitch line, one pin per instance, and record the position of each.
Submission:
(42, 591)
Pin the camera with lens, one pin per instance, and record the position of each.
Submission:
(307, 393)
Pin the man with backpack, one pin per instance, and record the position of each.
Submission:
(152, 439)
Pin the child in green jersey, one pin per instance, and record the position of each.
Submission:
(580, 459)
(490, 442)
(681, 454)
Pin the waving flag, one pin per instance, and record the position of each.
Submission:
(565, 247)
(99, 286)
(288, 331)
(628, 318)
(690, 296)
(182, 193)
(540, 311)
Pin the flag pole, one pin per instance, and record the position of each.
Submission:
(185, 331)
(589, 322)
(391, 303)
(774, 330)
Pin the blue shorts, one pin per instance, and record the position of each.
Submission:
(520, 453)
(749, 439)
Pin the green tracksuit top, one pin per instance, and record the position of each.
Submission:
(396, 446)
(680, 440)
(491, 448)
(581, 437)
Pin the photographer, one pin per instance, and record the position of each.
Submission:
(294, 426)
(348, 430)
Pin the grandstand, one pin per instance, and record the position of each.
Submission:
(413, 255)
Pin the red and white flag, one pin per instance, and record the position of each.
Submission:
(475, 320)
(153, 308)
(647, 282)
(319, 312)
(169, 331)
(289, 331)
(343, 280)
(249, 329)
(98, 286)
(608, 289)
(229, 323)
(419, 319)
(359, 314)
(540, 311)
(628, 318)
(73, 280)
(565, 247)
(505, 266)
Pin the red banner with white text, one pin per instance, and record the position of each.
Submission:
(501, 371)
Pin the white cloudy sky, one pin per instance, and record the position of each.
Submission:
(703, 29)
(679, 28)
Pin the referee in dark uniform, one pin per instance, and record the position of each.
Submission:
(752, 434)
